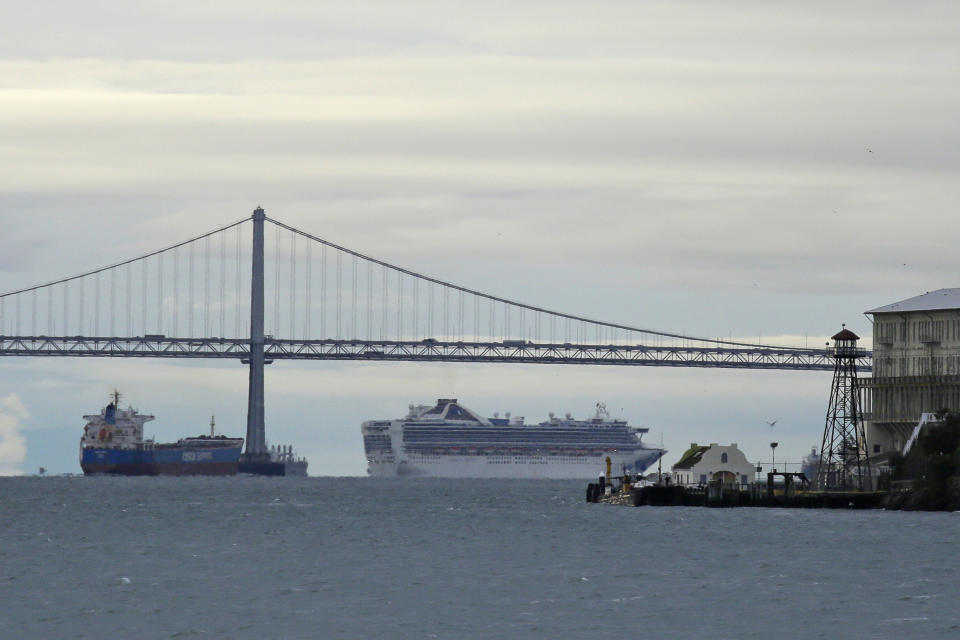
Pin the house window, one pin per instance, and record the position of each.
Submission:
(743, 479)
(876, 448)
(723, 458)
(703, 478)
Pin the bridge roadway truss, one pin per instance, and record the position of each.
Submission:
(758, 357)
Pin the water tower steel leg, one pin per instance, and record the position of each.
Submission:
(844, 459)
(256, 437)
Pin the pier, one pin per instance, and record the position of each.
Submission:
(791, 494)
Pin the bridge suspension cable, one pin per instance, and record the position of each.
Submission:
(101, 302)
(576, 326)
(192, 299)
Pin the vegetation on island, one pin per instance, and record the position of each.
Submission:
(928, 477)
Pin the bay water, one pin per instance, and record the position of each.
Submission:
(244, 557)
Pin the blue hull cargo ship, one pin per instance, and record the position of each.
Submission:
(113, 443)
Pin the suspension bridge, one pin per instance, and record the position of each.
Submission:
(206, 297)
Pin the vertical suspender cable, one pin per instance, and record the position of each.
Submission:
(353, 300)
(81, 305)
(369, 301)
(96, 304)
(490, 308)
(190, 328)
(339, 289)
(276, 288)
(206, 288)
(428, 325)
(223, 284)
(176, 289)
(50, 328)
(33, 313)
(399, 306)
(416, 328)
(308, 311)
(323, 292)
(143, 297)
(160, 294)
(353, 309)
(293, 285)
(238, 289)
(129, 331)
(430, 309)
(66, 308)
(113, 302)
(383, 310)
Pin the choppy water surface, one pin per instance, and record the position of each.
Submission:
(359, 558)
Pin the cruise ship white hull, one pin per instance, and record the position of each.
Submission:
(481, 466)
(450, 441)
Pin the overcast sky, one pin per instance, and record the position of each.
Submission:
(740, 169)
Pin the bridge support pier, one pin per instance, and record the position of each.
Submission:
(256, 447)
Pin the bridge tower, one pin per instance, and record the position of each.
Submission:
(256, 449)
(844, 461)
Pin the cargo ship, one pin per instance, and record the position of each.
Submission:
(113, 443)
(450, 441)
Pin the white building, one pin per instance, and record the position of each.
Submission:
(916, 366)
(701, 464)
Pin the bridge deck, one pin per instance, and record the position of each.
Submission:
(429, 350)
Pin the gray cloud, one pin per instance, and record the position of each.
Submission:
(730, 170)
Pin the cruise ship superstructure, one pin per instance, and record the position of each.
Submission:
(449, 440)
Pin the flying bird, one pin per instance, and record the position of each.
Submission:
(771, 423)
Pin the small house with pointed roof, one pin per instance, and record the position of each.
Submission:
(701, 464)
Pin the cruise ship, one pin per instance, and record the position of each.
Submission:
(449, 440)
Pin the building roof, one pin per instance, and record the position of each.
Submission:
(846, 334)
(691, 456)
(938, 300)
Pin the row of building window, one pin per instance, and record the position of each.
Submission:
(916, 330)
(684, 478)
(916, 366)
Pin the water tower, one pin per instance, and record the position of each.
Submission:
(844, 463)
